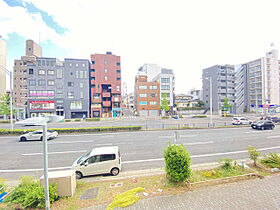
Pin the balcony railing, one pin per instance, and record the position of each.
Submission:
(106, 103)
(106, 94)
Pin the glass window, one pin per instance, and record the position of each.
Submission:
(106, 78)
(43, 62)
(59, 73)
(77, 65)
(94, 159)
(39, 63)
(51, 82)
(118, 71)
(118, 88)
(50, 72)
(143, 95)
(83, 158)
(105, 70)
(165, 87)
(118, 64)
(153, 87)
(81, 85)
(47, 63)
(86, 73)
(153, 103)
(76, 105)
(41, 82)
(105, 62)
(81, 94)
(153, 95)
(107, 157)
(142, 87)
(165, 80)
(118, 78)
(70, 94)
(42, 72)
(81, 74)
(77, 74)
(32, 82)
(70, 84)
(31, 71)
(143, 103)
(83, 65)
(59, 92)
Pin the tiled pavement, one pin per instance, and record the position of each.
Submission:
(250, 194)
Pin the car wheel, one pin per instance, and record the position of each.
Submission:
(115, 171)
(23, 139)
(262, 128)
(79, 175)
(272, 127)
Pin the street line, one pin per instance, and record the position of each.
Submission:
(9, 137)
(273, 137)
(73, 142)
(36, 169)
(198, 143)
(51, 153)
(187, 136)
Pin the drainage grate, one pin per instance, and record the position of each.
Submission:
(90, 194)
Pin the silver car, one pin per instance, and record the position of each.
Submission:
(38, 135)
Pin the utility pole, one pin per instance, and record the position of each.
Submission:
(211, 102)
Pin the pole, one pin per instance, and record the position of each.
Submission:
(11, 101)
(256, 102)
(46, 178)
(211, 105)
(176, 136)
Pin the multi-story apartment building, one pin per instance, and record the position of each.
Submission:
(105, 85)
(58, 88)
(146, 96)
(128, 101)
(196, 94)
(263, 81)
(241, 89)
(3, 52)
(151, 70)
(166, 79)
(222, 78)
(33, 51)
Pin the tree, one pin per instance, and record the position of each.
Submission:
(164, 103)
(5, 105)
(253, 154)
(226, 105)
(200, 103)
(177, 163)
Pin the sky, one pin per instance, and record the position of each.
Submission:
(184, 35)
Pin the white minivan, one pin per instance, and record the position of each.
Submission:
(101, 160)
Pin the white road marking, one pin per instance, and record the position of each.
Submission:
(198, 143)
(9, 137)
(180, 136)
(187, 136)
(51, 153)
(36, 169)
(73, 142)
(273, 137)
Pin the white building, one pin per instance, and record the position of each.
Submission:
(196, 94)
(3, 51)
(151, 70)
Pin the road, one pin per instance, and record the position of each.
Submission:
(139, 150)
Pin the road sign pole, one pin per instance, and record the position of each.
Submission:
(46, 178)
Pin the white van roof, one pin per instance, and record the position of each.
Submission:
(104, 150)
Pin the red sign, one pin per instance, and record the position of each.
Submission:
(41, 105)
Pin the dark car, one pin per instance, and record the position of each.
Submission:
(275, 119)
(263, 124)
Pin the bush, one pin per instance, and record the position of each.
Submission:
(3, 186)
(77, 120)
(192, 108)
(272, 160)
(165, 117)
(30, 194)
(177, 163)
(253, 154)
(180, 116)
(199, 116)
(228, 115)
(226, 163)
(67, 120)
(92, 119)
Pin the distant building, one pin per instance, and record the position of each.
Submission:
(151, 70)
(3, 55)
(147, 99)
(223, 86)
(105, 85)
(196, 94)
(128, 101)
(241, 89)
(183, 100)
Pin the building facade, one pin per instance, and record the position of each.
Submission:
(222, 78)
(196, 94)
(151, 70)
(105, 85)
(3, 54)
(146, 96)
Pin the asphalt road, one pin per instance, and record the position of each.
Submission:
(139, 150)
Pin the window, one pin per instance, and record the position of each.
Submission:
(143, 103)
(142, 87)
(83, 65)
(143, 95)
(51, 82)
(165, 87)
(81, 85)
(31, 71)
(118, 71)
(70, 84)
(118, 78)
(59, 73)
(70, 94)
(153, 95)
(93, 62)
(105, 70)
(81, 94)
(94, 159)
(165, 80)
(43, 62)
(39, 63)
(153, 87)
(42, 72)
(47, 63)
(50, 72)
(41, 82)
(118, 64)
(32, 82)
(167, 95)
(77, 74)
(153, 103)
(106, 78)
(96, 96)
(118, 88)
(59, 92)
(77, 65)
(70, 64)
(107, 157)
(105, 62)
(76, 105)
(81, 74)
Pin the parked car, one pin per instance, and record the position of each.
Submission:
(102, 160)
(241, 121)
(38, 135)
(263, 124)
(275, 119)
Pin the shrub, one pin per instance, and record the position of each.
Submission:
(253, 154)
(3, 186)
(165, 117)
(67, 120)
(177, 163)
(214, 174)
(77, 120)
(226, 163)
(199, 116)
(30, 194)
(228, 115)
(92, 119)
(272, 160)
(180, 116)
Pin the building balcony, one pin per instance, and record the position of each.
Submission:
(106, 103)
(116, 99)
(106, 95)
(96, 100)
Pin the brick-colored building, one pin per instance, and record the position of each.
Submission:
(147, 97)
(105, 85)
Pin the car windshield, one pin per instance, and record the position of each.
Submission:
(83, 158)
(261, 121)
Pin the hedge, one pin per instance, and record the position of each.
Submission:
(199, 116)
(77, 120)
(92, 119)
(67, 120)
(73, 130)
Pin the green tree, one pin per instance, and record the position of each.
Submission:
(200, 103)
(253, 154)
(164, 103)
(177, 163)
(5, 105)
(226, 105)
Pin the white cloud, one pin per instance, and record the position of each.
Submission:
(186, 36)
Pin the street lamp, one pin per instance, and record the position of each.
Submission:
(210, 96)
(11, 94)
(42, 121)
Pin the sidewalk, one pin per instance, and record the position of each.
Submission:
(250, 194)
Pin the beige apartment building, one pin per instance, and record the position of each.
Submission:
(3, 51)
(33, 50)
